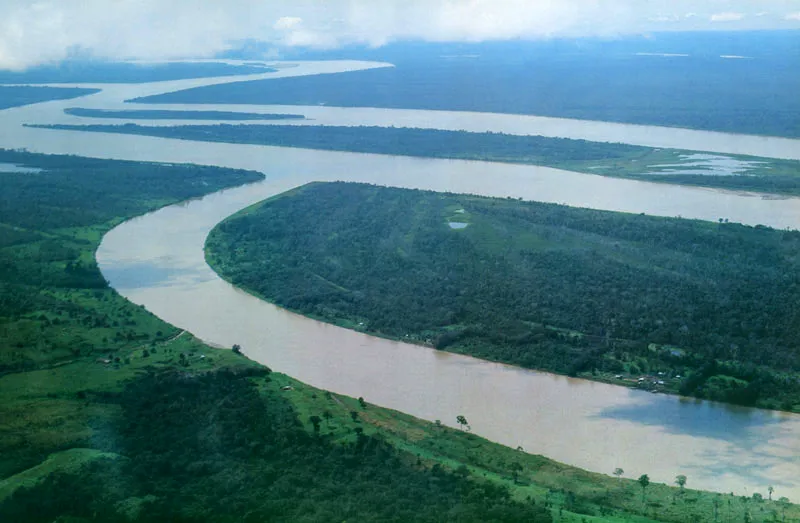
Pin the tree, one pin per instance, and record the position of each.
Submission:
(784, 503)
(461, 420)
(644, 482)
(619, 472)
(680, 480)
(362, 402)
(237, 349)
(315, 420)
(516, 468)
(327, 415)
(770, 489)
(354, 415)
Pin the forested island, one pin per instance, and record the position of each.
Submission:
(15, 96)
(691, 307)
(156, 114)
(607, 159)
(110, 414)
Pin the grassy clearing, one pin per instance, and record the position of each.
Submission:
(68, 461)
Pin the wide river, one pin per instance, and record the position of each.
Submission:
(157, 261)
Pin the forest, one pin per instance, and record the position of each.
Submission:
(607, 159)
(709, 307)
(256, 463)
(692, 91)
(56, 309)
(15, 96)
(143, 114)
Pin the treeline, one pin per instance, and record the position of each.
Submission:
(14, 96)
(178, 115)
(210, 447)
(545, 286)
(608, 159)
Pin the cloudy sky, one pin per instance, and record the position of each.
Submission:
(46, 31)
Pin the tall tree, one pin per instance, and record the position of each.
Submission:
(680, 480)
(619, 472)
(644, 482)
(461, 420)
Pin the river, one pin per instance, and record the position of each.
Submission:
(157, 261)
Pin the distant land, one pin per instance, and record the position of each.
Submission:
(15, 96)
(628, 80)
(125, 72)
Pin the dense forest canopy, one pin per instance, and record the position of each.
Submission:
(546, 286)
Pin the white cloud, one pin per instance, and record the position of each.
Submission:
(727, 17)
(287, 22)
(41, 31)
(664, 18)
(792, 16)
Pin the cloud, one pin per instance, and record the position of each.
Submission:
(664, 18)
(287, 22)
(727, 17)
(34, 32)
(792, 16)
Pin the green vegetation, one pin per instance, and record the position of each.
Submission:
(704, 309)
(14, 96)
(607, 159)
(143, 114)
(65, 335)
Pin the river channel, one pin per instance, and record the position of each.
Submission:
(157, 261)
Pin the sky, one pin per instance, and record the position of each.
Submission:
(37, 32)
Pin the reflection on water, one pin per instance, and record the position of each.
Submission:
(698, 418)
